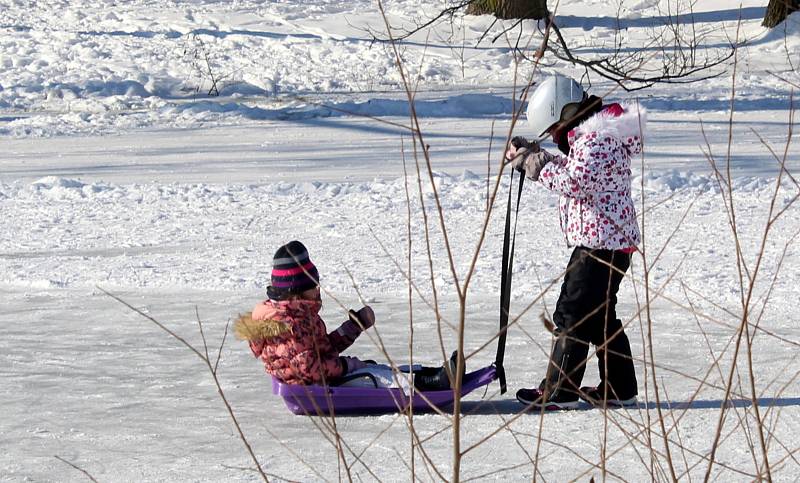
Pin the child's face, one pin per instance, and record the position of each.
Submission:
(312, 294)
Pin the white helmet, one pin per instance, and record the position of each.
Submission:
(546, 104)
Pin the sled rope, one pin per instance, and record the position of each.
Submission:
(509, 238)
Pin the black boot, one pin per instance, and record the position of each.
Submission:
(615, 364)
(559, 389)
(438, 378)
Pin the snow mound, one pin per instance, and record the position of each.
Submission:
(674, 180)
(127, 88)
(469, 175)
(52, 182)
(466, 106)
(752, 184)
(786, 31)
(644, 5)
(45, 284)
(58, 187)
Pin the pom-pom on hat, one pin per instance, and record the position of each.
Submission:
(292, 270)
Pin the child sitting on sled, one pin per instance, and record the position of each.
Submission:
(291, 339)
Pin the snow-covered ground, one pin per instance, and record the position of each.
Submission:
(118, 172)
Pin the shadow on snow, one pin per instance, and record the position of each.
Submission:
(512, 406)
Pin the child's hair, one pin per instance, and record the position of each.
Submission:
(277, 294)
(586, 109)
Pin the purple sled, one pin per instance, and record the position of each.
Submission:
(320, 400)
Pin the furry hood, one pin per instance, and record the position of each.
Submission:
(273, 318)
(628, 127)
(246, 328)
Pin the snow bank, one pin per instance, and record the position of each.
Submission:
(131, 68)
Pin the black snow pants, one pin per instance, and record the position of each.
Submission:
(586, 313)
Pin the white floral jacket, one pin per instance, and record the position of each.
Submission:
(594, 180)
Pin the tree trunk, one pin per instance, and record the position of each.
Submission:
(536, 9)
(778, 10)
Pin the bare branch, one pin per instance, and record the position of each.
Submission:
(86, 473)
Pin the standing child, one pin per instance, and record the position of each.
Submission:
(288, 335)
(598, 218)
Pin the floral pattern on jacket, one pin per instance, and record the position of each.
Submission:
(290, 339)
(596, 209)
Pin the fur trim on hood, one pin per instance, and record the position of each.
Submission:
(630, 123)
(246, 328)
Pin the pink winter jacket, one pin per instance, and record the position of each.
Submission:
(594, 180)
(290, 339)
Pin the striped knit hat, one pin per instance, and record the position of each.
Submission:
(292, 271)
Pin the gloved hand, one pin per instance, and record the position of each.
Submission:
(365, 316)
(533, 163)
(518, 147)
(356, 323)
(352, 364)
(521, 142)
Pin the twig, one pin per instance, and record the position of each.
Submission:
(86, 473)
